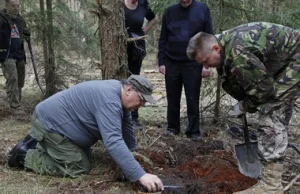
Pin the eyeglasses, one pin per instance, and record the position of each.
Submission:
(141, 97)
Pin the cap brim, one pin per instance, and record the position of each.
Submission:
(148, 98)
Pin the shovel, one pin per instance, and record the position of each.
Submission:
(246, 154)
(171, 187)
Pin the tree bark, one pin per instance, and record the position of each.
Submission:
(50, 75)
(113, 36)
(44, 38)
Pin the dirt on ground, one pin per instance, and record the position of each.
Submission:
(196, 167)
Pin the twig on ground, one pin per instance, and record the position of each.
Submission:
(151, 144)
(173, 160)
(104, 181)
(291, 183)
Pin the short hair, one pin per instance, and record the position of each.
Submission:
(7, 1)
(200, 42)
(125, 82)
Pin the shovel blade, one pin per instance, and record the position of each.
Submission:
(248, 161)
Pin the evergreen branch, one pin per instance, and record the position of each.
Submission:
(230, 5)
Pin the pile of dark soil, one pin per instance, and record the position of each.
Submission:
(198, 167)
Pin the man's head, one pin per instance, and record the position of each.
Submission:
(185, 3)
(136, 91)
(204, 48)
(12, 6)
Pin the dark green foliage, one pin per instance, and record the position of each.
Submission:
(76, 38)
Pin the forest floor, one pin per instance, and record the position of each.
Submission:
(206, 166)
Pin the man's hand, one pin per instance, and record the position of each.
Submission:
(162, 69)
(238, 109)
(151, 182)
(206, 72)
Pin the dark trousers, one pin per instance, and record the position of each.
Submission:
(136, 52)
(187, 74)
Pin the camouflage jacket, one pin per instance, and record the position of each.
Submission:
(260, 62)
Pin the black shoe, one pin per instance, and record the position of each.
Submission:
(194, 137)
(169, 133)
(137, 125)
(30, 142)
(18, 153)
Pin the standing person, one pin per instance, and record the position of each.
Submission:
(135, 13)
(180, 22)
(259, 65)
(68, 123)
(12, 54)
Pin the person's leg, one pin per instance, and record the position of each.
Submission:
(136, 53)
(173, 81)
(291, 70)
(57, 156)
(192, 82)
(272, 144)
(11, 74)
(21, 77)
(53, 155)
(136, 69)
(272, 131)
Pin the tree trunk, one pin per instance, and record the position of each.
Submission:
(44, 38)
(50, 76)
(113, 39)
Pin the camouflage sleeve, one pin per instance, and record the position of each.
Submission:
(252, 75)
(234, 90)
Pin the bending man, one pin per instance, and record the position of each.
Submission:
(68, 123)
(259, 64)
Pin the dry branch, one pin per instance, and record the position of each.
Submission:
(291, 183)
(154, 141)
(137, 38)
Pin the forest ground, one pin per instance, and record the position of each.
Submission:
(207, 166)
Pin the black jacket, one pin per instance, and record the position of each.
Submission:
(5, 33)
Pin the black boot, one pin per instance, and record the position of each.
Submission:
(30, 142)
(18, 153)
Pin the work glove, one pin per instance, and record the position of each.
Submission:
(238, 109)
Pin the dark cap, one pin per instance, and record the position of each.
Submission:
(143, 85)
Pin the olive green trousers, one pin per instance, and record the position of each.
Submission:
(55, 154)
